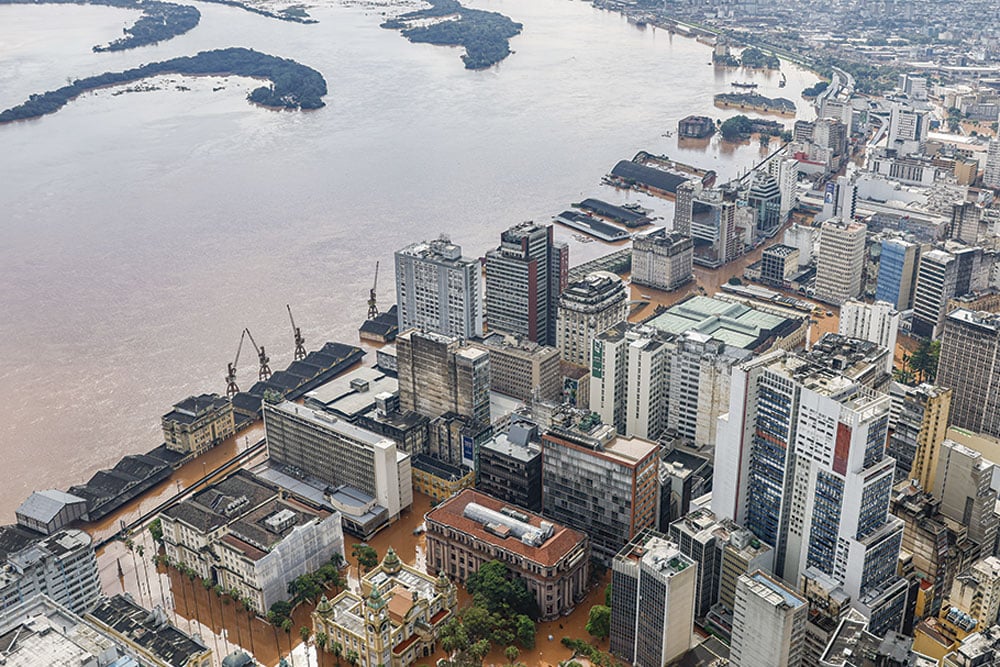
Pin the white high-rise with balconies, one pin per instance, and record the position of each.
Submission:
(438, 290)
(875, 322)
(840, 264)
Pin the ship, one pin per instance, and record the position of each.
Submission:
(742, 84)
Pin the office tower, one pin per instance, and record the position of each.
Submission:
(779, 264)
(830, 133)
(897, 272)
(943, 275)
(318, 445)
(713, 227)
(62, 566)
(438, 375)
(524, 277)
(600, 483)
(764, 199)
(510, 467)
(803, 238)
(661, 259)
(609, 366)
(652, 604)
(970, 348)
(914, 87)
(963, 484)
(684, 206)
(919, 431)
(976, 591)
(964, 225)
(438, 290)
(991, 173)
(522, 369)
(786, 171)
(875, 322)
(769, 622)
(801, 462)
(908, 128)
(586, 308)
(840, 263)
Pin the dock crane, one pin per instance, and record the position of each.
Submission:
(372, 307)
(300, 342)
(231, 388)
(265, 370)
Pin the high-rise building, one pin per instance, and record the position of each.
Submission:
(943, 275)
(991, 173)
(524, 277)
(919, 430)
(963, 485)
(586, 308)
(652, 604)
(61, 566)
(976, 592)
(778, 264)
(964, 225)
(764, 198)
(684, 206)
(318, 445)
(602, 484)
(875, 322)
(897, 272)
(439, 374)
(803, 238)
(908, 128)
(841, 260)
(769, 623)
(438, 290)
(661, 259)
(522, 369)
(714, 229)
(510, 468)
(800, 461)
(970, 349)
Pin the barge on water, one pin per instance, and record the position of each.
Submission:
(588, 224)
(630, 217)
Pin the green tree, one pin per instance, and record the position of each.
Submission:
(607, 595)
(494, 588)
(599, 621)
(366, 556)
(338, 650)
(525, 628)
(305, 633)
(511, 654)
(156, 530)
(478, 623)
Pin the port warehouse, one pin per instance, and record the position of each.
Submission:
(616, 213)
(135, 474)
(591, 225)
(631, 173)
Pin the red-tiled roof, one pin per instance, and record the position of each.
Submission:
(249, 550)
(403, 645)
(450, 513)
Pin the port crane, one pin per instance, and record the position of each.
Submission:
(372, 307)
(300, 342)
(231, 388)
(265, 370)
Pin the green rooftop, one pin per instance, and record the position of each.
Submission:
(732, 323)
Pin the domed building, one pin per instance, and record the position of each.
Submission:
(396, 619)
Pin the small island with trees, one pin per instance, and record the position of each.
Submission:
(159, 21)
(484, 34)
(293, 85)
(754, 58)
(741, 128)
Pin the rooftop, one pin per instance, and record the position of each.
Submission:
(508, 444)
(330, 423)
(149, 629)
(988, 322)
(781, 250)
(562, 542)
(732, 323)
(773, 591)
(438, 468)
(43, 506)
(654, 550)
(193, 408)
(439, 251)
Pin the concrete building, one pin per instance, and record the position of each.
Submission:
(943, 275)
(586, 308)
(439, 290)
(198, 423)
(439, 480)
(522, 369)
(970, 347)
(875, 322)
(147, 636)
(456, 439)
(963, 485)
(510, 468)
(976, 592)
(652, 608)
(769, 621)
(241, 534)
(600, 483)
(61, 566)
(991, 172)
(764, 200)
(661, 259)
(800, 462)
(919, 430)
(439, 374)
(713, 226)
(396, 619)
(897, 272)
(803, 238)
(964, 224)
(313, 444)
(471, 529)
(840, 261)
(524, 277)
(908, 128)
(778, 264)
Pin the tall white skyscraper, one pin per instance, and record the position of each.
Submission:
(991, 173)
(801, 463)
(769, 623)
(875, 322)
(438, 290)
(840, 264)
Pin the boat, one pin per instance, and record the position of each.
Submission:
(742, 84)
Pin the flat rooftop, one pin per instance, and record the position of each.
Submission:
(732, 323)
(329, 422)
(774, 592)
(149, 629)
(451, 513)
(654, 550)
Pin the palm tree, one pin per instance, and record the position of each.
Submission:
(338, 650)
(286, 625)
(511, 654)
(353, 658)
(321, 639)
(305, 632)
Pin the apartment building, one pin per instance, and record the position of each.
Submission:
(438, 290)
(586, 308)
